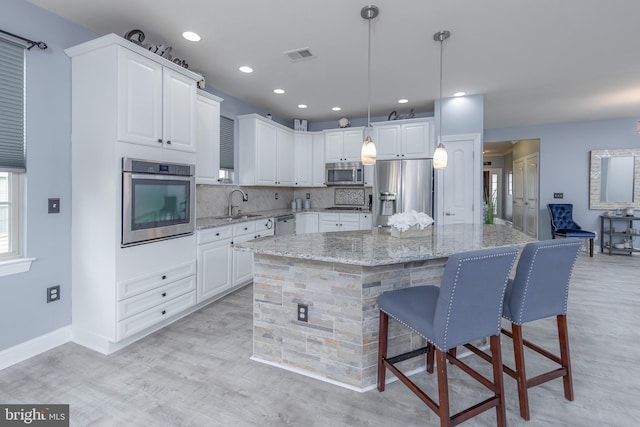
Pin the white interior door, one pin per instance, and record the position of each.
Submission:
(460, 186)
(518, 194)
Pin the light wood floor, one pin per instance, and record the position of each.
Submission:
(197, 372)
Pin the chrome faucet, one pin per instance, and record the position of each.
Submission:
(244, 199)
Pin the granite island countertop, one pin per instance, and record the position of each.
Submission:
(377, 247)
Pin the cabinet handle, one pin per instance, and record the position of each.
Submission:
(217, 234)
(160, 140)
(164, 312)
(164, 294)
(168, 142)
(245, 229)
(164, 276)
(403, 155)
(397, 155)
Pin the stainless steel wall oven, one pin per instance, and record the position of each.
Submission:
(158, 201)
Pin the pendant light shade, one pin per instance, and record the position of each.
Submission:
(368, 151)
(440, 156)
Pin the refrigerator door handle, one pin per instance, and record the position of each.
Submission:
(449, 214)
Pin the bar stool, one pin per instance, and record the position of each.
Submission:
(466, 307)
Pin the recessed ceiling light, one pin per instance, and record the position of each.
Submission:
(402, 101)
(338, 109)
(278, 91)
(246, 69)
(459, 94)
(302, 105)
(191, 36)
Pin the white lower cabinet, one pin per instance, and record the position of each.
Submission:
(365, 221)
(306, 222)
(338, 222)
(220, 268)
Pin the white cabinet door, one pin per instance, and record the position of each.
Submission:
(352, 144)
(333, 146)
(349, 221)
(242, 262)
(328, 222)
(416, 142)
(318, 161)
(365, 221)
(307, 222)
(387, 140)
(214, 269)
(284, 157)
(266, 146)
(139, 99)
(303, 159)
(179, 111)
(207, 140)
(368, 175)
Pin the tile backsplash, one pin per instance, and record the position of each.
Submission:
(211, 200)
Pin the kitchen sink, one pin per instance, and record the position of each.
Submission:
(231, 218)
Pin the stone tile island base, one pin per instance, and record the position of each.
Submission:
(339, 343)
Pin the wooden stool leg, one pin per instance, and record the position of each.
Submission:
(430, 354)
(382, 348)
(498, 384)
(443, 389)
(563, 337)
(521, 374)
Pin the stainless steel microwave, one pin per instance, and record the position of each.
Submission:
(344, 173)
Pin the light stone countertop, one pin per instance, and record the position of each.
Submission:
(210, 222)
(377, 247)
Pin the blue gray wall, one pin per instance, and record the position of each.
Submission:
(564, 161)
(24, 312)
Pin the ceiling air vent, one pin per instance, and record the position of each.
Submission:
(299, 54)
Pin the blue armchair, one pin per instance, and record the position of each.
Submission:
(563, 225)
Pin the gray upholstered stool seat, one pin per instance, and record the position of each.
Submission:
(467, 306)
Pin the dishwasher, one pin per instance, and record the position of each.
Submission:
(285, 225)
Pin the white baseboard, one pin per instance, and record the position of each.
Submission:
(33, 347)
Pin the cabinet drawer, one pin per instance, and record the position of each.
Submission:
(248, 227)
(214, 234)
(139, 303)
(155, 315)
(138, 285)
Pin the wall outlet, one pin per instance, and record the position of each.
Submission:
(53, 293)
(303, 312)
(276, 196)
(558, 195)
(308, 196)
(54, 206)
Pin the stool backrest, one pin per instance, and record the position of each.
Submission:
(469, 305)
(541, 285)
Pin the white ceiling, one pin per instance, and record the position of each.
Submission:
(535, 61)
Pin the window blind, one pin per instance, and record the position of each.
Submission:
(226, 143)
(12, 136)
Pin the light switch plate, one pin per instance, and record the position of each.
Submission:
(558, 195)
(54, 206)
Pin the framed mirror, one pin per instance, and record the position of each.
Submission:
(614, 179)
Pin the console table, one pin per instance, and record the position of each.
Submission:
(618, 229)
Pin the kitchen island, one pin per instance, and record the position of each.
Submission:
(339, 276)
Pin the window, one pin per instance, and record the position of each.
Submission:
(510, 183)
(12, 156)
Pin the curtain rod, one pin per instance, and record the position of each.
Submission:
(31, 43)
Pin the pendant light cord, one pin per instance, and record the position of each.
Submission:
(440, 115)
(369, 81)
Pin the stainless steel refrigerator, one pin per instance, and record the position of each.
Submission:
(400, 186)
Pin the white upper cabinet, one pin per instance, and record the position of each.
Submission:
(318, 160)
(266, 152)
(343, 145)
(207, 138)
(303, 161)
(156, 105)
(408, 139)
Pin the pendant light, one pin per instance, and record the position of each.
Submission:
(440, 155)
(368, 151)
